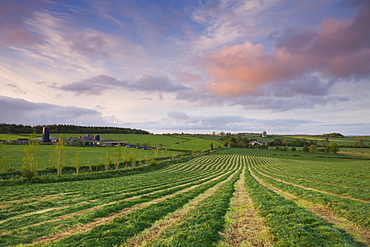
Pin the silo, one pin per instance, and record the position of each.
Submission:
(97, 138)
(45, 134)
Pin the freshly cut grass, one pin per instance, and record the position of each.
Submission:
(292, 225)
(128, 224)
(151, 234)
(244, 227)
(203, 226)
(359, 233)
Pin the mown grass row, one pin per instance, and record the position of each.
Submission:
(290, 224)
(90, 202)
(30, 233)
(203, 225)
(351, 210)
(353, 174)
(114, 195)
(126, 226)
(330, 188)
(88, 190)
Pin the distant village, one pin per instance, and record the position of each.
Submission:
(85, 140)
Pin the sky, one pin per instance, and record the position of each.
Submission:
(194, 66)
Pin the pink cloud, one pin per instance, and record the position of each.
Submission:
(338, 49)
(13, 22)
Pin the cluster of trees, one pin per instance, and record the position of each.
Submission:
(297, 142)
(66, 128)
(239, 141)
(332, 148)
(331, 135)
(359, 144)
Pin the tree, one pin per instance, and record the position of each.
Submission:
(211, 146)
(355, 145)
(326, 141)
(57, 158)
(313, 149)
(132, 157)
(117, 157)
(334, 148)
(361, 143)
(278, 142)
(305, 148)
(107, 160)
(31, 159)
(4, 160)
(293, 149)
(76, 162)
(286, 142)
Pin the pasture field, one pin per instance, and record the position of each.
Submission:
(362, 152)
(96, 155)
(212, 200)
(88, 155)
(181, 142)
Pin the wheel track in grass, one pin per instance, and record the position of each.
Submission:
(105, 220)
(150, 234)
(308, 188)
(359, 233)
(67, 216)
(244, 227)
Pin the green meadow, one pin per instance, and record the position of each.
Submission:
(254, 196)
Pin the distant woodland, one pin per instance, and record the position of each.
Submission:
(66, 128)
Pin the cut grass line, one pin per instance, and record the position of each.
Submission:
(307, 188)
(38, 199)
(265, 169)
(29, 214)
(150, 235)
(359, 233)
(105, 220)
(88, 210)
(243, 225)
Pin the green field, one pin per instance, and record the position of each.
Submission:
(183, 142)
(88, 155)
(226, 199)
(96, 155)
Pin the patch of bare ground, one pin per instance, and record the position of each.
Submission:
(359, 233)
(151, 234)
(307, 188)
(81, 228)
(244, 227)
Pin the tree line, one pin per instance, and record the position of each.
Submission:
(67, 128)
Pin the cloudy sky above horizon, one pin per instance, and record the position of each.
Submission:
(195, 66)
